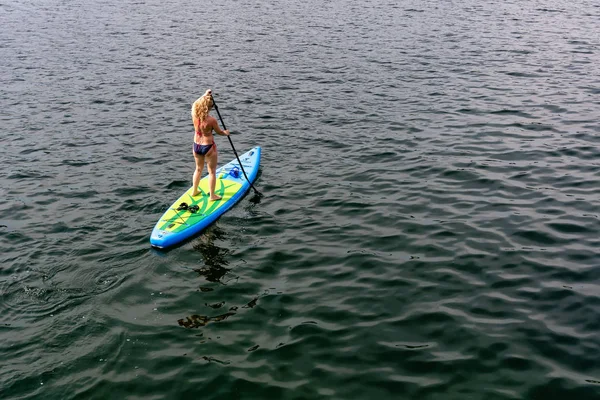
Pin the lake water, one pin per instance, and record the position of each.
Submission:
(431, 213)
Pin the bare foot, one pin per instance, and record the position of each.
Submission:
(196, 194)
(215, 198)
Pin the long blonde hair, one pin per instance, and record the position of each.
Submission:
(201, 107)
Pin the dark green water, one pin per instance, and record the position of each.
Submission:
(430, 222)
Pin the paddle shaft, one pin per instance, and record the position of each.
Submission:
(231, 142)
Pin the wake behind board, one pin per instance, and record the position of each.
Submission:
(178, 224)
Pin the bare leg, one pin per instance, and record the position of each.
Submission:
(197, 174)
(211, 165)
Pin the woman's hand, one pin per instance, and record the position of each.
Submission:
(226, 132)
(208, 93)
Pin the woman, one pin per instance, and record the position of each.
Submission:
(204, 143)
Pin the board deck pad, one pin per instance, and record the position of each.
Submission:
(177, 224)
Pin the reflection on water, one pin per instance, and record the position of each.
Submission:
(215, 257)
(196, 321)
(215, 305)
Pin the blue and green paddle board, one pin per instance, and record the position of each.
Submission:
(179, 222)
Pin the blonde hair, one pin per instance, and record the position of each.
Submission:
(201, 107)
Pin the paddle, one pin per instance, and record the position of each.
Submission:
(234, 152)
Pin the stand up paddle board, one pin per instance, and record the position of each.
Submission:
(188, 215)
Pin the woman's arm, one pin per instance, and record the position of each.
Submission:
(215, 126)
